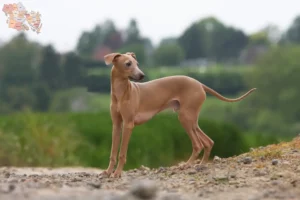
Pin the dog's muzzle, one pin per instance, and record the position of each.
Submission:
(138, 77)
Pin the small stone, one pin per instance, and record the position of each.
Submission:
(294, 183)
(252, 149)
(144, 168)
(11, 188)
(298, 169)
(216, 159)
(262, 158)
(172, 173)
(260, 173)
(274, 162)
(192, 172)
(199, 167)
(232, 175)
(221, 178)
(7, 175)
(145, 189)
(161, 169)
(95, 185)
(144, 173)
(247, 160)
(275, 183)
(75, 180)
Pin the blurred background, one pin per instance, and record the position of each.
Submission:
(55, 87)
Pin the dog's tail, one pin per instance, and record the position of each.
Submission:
(219, 96)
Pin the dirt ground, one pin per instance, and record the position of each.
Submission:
(271, 172)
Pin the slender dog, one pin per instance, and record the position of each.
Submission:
(135, 103)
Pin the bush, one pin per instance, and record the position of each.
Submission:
(97, 83)
(226, 83)
(37, 140)
(168, 55)
(85, 139)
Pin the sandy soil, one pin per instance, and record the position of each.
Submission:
(271, 172)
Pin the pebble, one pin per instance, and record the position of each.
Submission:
(95, 185)
(199, 167)
(7, 175)
(247, 160)
(11, 188)
(216, 159)
(192, 172)
(161, 170)
(274, 162)
(144, 168)
(145, 189)
(260, 173)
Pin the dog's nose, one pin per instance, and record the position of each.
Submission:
(142, 76)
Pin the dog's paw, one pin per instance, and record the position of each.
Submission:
(184, 166)
(116, 174)
(105, 174)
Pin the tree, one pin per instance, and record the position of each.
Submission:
(222, 42)
(192, 41)
(168, 54)
(43, 97)
(105, 34)
(132, 33)
(18, 72)
(88, 41)
(293, 33)
(50, 68)
(275, 105)
(259, 38)
(84, 45)
(19, 61)
(73, 70)
(234, 41)
(169, 40)
(138, 49)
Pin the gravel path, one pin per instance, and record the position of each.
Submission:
(271, 172)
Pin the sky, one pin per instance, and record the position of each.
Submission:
(64, 20)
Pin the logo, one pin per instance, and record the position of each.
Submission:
(20, 19)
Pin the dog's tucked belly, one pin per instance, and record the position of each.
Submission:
(142, 117)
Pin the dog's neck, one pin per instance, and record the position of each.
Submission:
(119, 84)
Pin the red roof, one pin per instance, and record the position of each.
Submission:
(100, 52)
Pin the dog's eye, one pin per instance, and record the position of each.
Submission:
(128, 64)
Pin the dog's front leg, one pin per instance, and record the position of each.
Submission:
(127, 130)
(116, 134)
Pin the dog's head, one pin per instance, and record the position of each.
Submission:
(126, 64)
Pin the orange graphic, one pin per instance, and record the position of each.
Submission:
(18, 16)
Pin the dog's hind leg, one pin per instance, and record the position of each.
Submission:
(188, 120)
(207, 142)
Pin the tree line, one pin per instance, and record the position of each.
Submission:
(31, 73)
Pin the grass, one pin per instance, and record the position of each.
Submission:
(274, 151)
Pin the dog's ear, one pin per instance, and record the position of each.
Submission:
(109, 58)
(132, 54)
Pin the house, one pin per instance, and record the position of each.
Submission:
(100, 52)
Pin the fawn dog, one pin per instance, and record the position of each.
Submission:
(134, 103)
